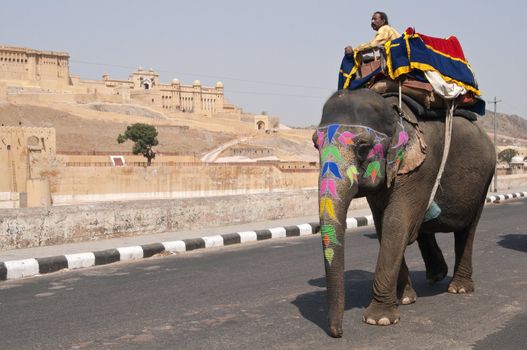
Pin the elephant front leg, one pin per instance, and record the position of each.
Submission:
(405, 292)
(383, 309)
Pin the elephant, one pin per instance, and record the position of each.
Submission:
(372, 146)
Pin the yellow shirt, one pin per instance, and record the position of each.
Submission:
(384, 34)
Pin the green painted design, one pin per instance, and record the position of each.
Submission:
(352, 173)
(329, 230)
(331, 150)
(399, 155)
(373, 170)
(329, 253)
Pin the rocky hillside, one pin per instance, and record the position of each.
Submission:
(511, 129)
(97, 131)
(94, 128)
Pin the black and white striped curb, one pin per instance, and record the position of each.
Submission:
(30, 267)
(504, 197)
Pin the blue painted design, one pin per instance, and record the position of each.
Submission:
(332, 129)
(333, 168)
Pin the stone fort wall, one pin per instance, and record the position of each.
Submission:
(78, 184)
(45, 68)
(19, 148)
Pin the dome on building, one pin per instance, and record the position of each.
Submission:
(197, 82)
(219, 84)
(140, 68)
(175, 81)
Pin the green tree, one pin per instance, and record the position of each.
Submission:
(507, 154)
(144, 137)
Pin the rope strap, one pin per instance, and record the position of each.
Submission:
(448, 136)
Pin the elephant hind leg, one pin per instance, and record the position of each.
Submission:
(436, 267)
(405, 292)
(464, 239)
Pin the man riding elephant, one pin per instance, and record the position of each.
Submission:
(384, 32)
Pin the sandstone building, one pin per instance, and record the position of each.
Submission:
(34, 175)
(29, 71)
(20, 147)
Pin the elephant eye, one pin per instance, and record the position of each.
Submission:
(363, 148)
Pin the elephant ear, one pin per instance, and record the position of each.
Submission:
(407, 149)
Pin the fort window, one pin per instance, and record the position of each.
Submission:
(33, 141)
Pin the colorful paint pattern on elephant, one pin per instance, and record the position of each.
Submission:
(400, 147)
(330, 141)
(330, 157)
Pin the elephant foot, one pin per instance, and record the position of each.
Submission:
(408, 296)
(381, 315)
(335, 330)
(437, 273)
(458, 286)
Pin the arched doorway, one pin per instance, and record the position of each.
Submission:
(260, 125)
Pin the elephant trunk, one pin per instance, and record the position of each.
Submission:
(333, 210)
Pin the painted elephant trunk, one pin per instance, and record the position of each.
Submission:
(333, 226)
(334, 199)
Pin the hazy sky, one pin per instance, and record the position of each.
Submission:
(281, 57)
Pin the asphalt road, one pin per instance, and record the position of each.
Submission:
(271, 295)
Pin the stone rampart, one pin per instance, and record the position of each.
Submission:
(21, 228)
(74, 184)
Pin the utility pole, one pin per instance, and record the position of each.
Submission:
(495, 101)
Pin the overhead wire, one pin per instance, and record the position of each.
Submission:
(211, 76)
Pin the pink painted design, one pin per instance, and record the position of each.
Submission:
(320, 138)
(328, 185)
(403, 139)
(377, 149)
(346, 138)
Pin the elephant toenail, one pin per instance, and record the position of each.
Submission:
(406, 300)
(384, 321)
(396, 321)
(462, 290)
(370, 321)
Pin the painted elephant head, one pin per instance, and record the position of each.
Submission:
(361, 141)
